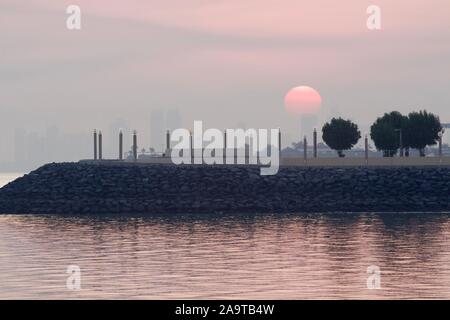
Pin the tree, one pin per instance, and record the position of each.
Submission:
(386, 131)
(340, 135)
(423, 130)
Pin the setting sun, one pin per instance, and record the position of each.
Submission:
(303, 100)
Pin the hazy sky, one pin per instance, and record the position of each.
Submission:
(222, 61)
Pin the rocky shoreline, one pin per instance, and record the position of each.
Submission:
(87, 188)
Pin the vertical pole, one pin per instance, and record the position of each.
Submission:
(225, 146)
(315, 142)
(366, 149)
(120, 145)
(191, 146)
(135, 145)
(279, 144)
(100, 154)
(95, 144)
(167, 143)
(305, 149)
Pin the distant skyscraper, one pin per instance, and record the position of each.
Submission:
(307, 124)
(173, 119)
(33, 149)
(160, 121)
(20, 148)
(52, 141)
(157, 130)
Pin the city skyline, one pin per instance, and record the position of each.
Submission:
(128, 61)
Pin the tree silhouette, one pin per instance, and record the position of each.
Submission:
(423, 130)
(340, 135)
(385, 133)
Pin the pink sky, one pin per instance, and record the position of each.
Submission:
(262, 18)
(219, 60)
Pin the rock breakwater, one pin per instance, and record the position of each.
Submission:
(87, 188)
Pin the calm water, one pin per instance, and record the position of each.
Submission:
(233, 256)
(226, 256)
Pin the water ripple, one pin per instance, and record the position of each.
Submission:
(283, 256)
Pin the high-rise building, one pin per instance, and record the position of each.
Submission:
(52, 143)
(20, 148)
(307, 124)
(160, 122)
(157, 129)
(173, 119)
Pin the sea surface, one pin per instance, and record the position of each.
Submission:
(267, 256)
